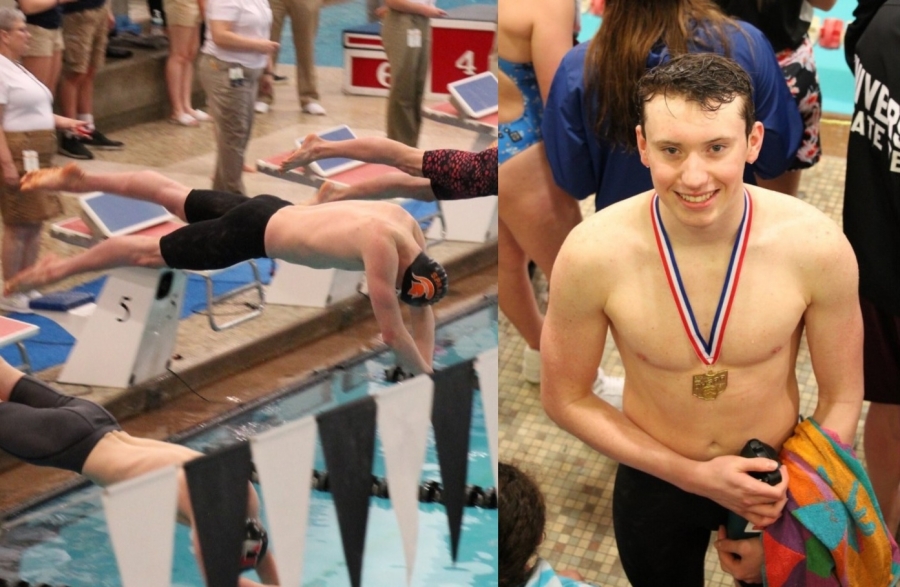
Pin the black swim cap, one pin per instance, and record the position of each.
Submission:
(424, 282)
(256, 542)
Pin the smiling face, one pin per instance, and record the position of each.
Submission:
(696, 155)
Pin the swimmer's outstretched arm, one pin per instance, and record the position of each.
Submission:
(381, 277)
(383, 187)
(368, 149)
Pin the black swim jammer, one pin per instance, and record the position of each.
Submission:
(43, 427)
(224, 229)
(662, 532)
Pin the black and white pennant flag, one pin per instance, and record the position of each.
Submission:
(143, 507)
(348, 441)
(219, 486)
(284, 458)
(451, 418)
(403, 422)
(488, 371)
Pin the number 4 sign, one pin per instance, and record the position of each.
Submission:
(461, 45)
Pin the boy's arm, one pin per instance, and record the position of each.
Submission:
(381, 276)
(834, 331)
(423, 331)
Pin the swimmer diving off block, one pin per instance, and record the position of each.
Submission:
(223, 229)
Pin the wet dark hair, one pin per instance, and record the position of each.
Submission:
(522, 516)
(705, 78)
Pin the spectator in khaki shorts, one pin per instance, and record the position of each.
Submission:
(43, 57)
(85, 26)
(236, 54)
(183, 27)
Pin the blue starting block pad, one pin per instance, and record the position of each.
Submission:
(424, 212)
(114, 215)
(61, 301)
(475, 96)
(334, 165)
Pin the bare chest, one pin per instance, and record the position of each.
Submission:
(748, 329)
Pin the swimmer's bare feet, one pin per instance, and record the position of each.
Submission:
(304, 155)
(69, 178)
(329, 192)
(46, 270)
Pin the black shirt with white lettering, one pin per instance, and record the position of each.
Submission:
(872, 189)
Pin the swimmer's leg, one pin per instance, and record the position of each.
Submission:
(368, 149)
(148, 186)
(118, 251)
(384, 187)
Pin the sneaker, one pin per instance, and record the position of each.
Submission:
(17, 302)
(201, 116)
(72, 147)
(314, 108)
(531, 365)
(609, 389)
(100, 141)
(33, 294)
(261, 107)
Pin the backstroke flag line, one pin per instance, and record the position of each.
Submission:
(348, 441)
(219, 484)
(144, 506)
(284, 459)
(451, 417)
(488, 372)
(403, 422)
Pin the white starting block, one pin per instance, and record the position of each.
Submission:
(129, 335)
(298, 285)
(15, 332)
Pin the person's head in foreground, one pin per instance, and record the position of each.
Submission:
(697, 132)
(522, 517)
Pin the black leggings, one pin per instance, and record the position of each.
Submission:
(43, 427)
(662, 532)
(224, 229)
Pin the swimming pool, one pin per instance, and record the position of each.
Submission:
(65, 540)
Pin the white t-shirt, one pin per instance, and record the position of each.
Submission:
(251, 18)
(27, 103)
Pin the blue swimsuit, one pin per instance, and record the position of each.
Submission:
(521, 133)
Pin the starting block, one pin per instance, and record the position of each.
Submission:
(129, 335)
(15, 332)
(446, 113)
(298, 285)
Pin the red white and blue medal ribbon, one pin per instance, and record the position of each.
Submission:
(708, 351)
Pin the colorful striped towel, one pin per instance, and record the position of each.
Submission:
(832, 532)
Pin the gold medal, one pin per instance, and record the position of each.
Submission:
(707, 386)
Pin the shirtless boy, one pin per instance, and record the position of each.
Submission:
(224, 229)
(687, 413)
(43, 427)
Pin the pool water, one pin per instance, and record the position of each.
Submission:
(65, 540)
